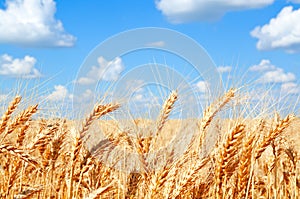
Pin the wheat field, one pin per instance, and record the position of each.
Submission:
(49, 158)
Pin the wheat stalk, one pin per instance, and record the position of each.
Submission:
(273, 133)
(15, 171)
(208, 115)
(166, 110)
(21, 134)
(146, 144)
(28, 193)
(189, 177)
(7, 115)
(245, 163)
(22, 118)
(133, 183)
(198, 137)
(211, 111)
(98, 192)
(98, 111)
(42, 139)
(227, 152)
(6, 148)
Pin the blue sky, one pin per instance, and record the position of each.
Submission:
(48, 40)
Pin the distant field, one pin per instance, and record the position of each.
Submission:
(190, 158)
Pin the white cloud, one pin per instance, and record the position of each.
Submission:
(271, 73)
(60, 93)
(88, 94)
(290, 88)
(143, 99)
(134, 85)
(277, 76)
(15, 67)
(224, 69)
(139, 96)
(86, 80)
(202, 86)
(3, 98)
(156, 44)
(264, 65)
(179, 11)
(282, 32)
(294, 1)
(107, 71)
(84, 98)
(32, 23)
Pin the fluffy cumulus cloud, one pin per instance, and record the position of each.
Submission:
(271, 73)
(277, 76)
(224, 69)
(290, 88)
(264, 65)
(60, 93)
(179, 11)
(84, 97)
(282, 32)
(32, 23)
(202, 86)
(106, 70)
(21, 68)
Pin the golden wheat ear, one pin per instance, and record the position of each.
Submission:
(226, 153)
(98, 111)
(21, 154)
(245, 163)
(147, 143)
(274, 132)
(20, 122)
(22, 118)
(7, 115)
(133, 183)
(208, 114)
(166, 110)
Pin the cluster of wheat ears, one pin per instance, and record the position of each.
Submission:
(42, 158)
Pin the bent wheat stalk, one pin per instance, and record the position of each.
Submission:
(7, 115)
(98, 111)
(166, 110)
(6, 148)
(208, 115)
(274, 132)
(20, 121)
(162, 119)
(22, 118)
